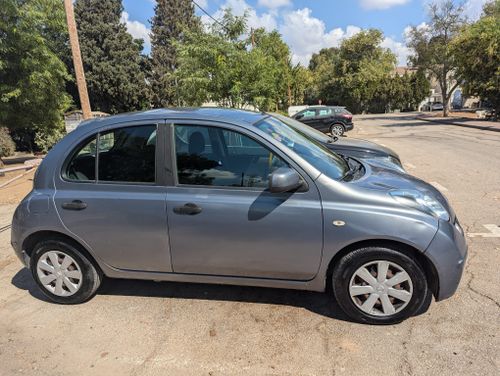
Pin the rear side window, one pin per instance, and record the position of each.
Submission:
(82, 166)
(325, 111)
(127, 155)
(122, 155)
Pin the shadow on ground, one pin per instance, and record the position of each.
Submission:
(320, 303)
(382, 117)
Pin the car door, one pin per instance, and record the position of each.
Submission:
(109, 195)
(324, 117)
(309, 117)
(223, 220)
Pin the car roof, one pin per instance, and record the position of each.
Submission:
(323, 106)
(236, 116)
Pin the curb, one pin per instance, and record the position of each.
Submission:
(448, 122)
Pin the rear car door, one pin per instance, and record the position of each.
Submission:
(222, 219)
(109, 194)
(324, 119)
(309, 117)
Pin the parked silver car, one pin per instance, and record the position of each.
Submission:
(234, 197)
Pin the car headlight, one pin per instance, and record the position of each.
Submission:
(422, 202)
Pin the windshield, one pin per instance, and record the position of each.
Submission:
(320, 157)
(304, 129)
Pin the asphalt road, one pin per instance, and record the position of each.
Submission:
(137, 328)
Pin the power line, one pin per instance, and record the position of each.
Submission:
(209, 15)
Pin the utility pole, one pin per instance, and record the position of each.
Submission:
(253, 37)
(77, 59)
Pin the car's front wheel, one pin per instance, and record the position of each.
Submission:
(337, 130)
(63, 273)
(379, 285)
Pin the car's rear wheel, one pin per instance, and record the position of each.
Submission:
(63, 273)
(379, 285)
(337, 130)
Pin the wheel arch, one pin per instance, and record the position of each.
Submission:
(33, 239)
(426, 264)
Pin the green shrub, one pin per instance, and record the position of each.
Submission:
(7, 146)
(46, 138)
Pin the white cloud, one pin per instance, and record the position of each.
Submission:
(381, 4)
(306, 34)
(238, 7)
(474, 8)
(273, 4)
(137, 29)
(400, 50)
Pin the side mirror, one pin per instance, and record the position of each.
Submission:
(299, 116)
(284, 179)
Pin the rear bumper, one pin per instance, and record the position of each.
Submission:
(448, 253)
(349, 126)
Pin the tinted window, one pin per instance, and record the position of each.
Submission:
(82, 165)
(220, 157)
(128, 155)
(309, 113)
(325, 111)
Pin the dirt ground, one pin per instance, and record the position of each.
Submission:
(15, 191)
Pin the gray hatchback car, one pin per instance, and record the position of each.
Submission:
(234, 197)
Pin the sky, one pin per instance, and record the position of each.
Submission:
(309, 25)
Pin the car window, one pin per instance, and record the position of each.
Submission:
(309, 113)
(127, 155)
(320, 157)
(81, 167)
(211, 156)
(123, 155)
(325, 111)
(304, 129)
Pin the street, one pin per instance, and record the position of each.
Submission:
(152, 328)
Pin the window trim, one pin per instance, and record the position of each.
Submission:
(159, 179)
(230, 127)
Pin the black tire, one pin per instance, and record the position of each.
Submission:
(340, 127)
(91, 280)
(345, 268)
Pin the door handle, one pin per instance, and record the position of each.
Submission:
(74, 205)
(188, 209)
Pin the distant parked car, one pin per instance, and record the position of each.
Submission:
(432, 106)
(334, 119)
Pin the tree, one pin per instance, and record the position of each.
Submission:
(433, 48)
(226, 66)
(351, 75)
(32, 77)
(172, 19)
(477, 51)
(111, 57)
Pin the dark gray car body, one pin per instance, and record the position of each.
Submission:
(243, 236)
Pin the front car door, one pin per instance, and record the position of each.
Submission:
(222, 219)
(109, 194)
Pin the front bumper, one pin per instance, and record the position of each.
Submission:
(448, 253)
